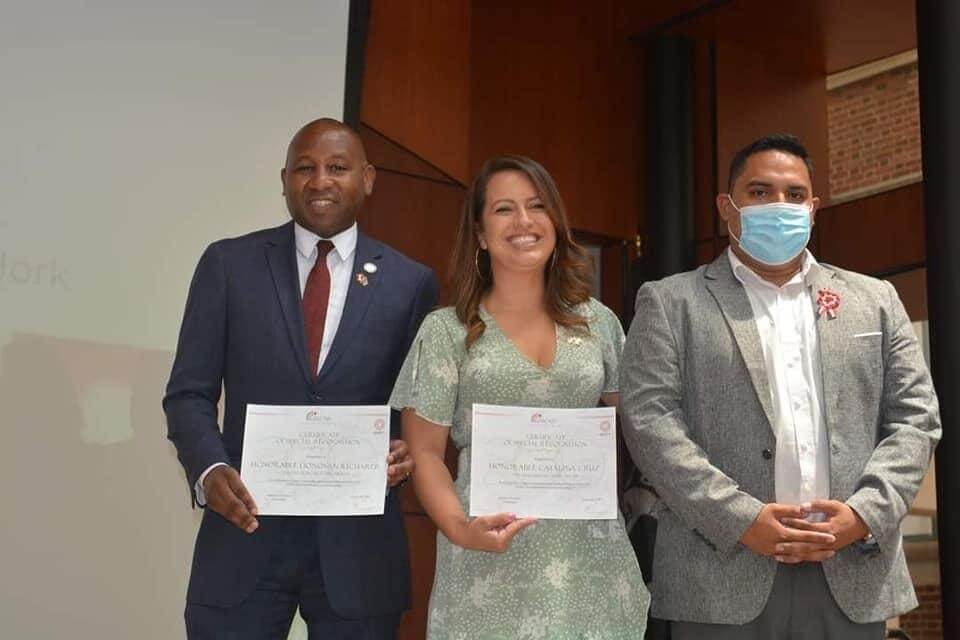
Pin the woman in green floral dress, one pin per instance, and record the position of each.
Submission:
(524, 331)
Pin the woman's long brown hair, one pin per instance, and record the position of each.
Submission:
(567, 276)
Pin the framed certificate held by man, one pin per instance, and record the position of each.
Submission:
(545, 463)
(316, 461)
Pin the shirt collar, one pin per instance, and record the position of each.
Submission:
(344, 243)
(748, 277)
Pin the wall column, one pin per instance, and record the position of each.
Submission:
(938, 23)
(670, 167)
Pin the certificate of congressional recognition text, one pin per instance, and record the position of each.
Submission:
(316, 461)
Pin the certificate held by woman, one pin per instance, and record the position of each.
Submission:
(546, 463)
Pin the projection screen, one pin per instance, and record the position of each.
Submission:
(134, 134)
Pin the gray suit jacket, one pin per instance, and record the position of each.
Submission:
(697, 411)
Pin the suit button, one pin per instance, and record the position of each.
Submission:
(767, 454)
(316, 396)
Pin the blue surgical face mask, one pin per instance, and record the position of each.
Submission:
(773, 233)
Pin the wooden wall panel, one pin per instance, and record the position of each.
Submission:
(824, 36)
(756, 97)
(387, 155)
(612, 259)
(875, 235)
(414, 208)
(858, 31)
(912, 287)
(704, 140)
(706, 252)
(421, 535)
(642, 18)
(416, 83)
(416, 216)
(558, 81)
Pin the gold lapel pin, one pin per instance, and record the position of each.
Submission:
(362, 279)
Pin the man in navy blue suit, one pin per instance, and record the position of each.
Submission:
(310, 312)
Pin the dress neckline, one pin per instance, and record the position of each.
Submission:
(491, 322)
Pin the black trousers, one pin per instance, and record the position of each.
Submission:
(293, 581)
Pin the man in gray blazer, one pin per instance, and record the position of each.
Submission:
(784, 413)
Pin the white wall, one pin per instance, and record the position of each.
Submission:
(133, 134)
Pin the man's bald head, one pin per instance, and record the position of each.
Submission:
(320, 126)
(326, 177)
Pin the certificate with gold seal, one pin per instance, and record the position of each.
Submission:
(316, 461)
(547, 463)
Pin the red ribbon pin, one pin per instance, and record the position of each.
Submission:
(828, 302)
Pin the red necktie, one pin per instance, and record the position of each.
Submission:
(315, 297)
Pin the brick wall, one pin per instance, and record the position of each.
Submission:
(874, 131)
(925, 622)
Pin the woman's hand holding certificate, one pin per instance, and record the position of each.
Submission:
(490, 533)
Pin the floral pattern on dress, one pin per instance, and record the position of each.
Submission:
(560, 579)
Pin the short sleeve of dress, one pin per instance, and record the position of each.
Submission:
(607, 327)
(430, 375)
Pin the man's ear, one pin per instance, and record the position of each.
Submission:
(283, 181)
(722, 203)
(814, 207)
(369, 177)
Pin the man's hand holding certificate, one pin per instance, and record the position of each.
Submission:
(548, 463)
(316, 461)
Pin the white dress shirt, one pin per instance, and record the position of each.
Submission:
(786, 322)
(340, 266)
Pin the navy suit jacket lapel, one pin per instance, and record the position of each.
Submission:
(282, 260)
(358, 300)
